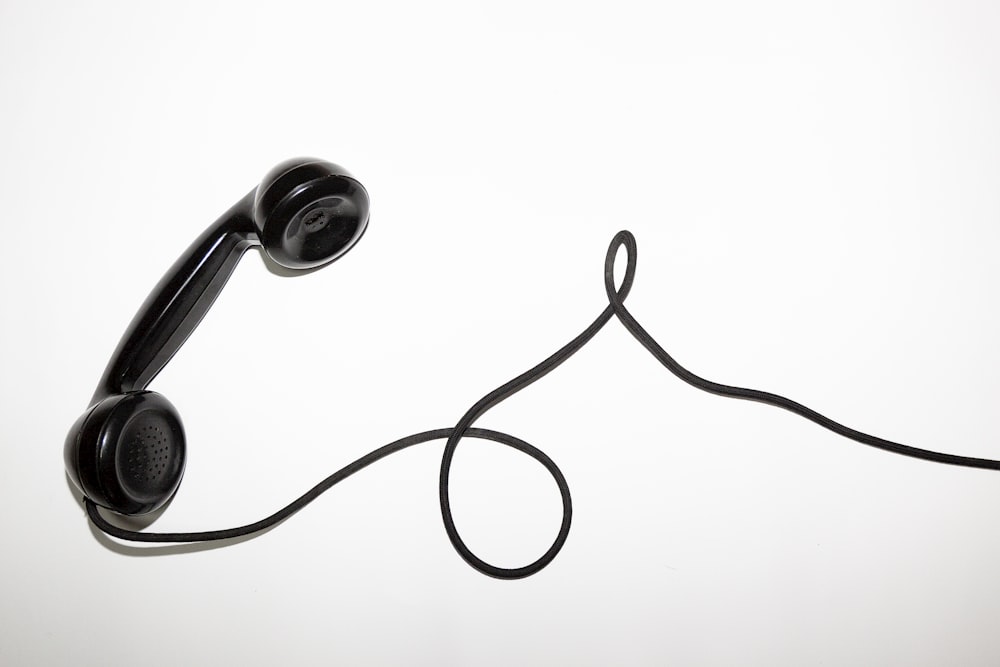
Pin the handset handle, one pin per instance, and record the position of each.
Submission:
(179, 301)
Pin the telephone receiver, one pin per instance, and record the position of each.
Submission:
(126, 452)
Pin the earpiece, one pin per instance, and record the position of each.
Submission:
(309, 212)
(127, 451)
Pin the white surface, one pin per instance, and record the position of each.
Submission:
(814, 192)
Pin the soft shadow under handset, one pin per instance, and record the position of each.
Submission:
(126, 452)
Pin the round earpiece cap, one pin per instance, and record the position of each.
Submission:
(309, 212)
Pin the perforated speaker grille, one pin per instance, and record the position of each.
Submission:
(149, 455)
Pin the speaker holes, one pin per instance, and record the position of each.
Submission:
(148, 453)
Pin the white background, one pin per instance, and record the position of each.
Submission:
(814, 189)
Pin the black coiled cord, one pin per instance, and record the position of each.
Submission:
(464, 429)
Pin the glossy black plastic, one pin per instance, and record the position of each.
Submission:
(179, 301)
(126, 452)
(309, 213)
